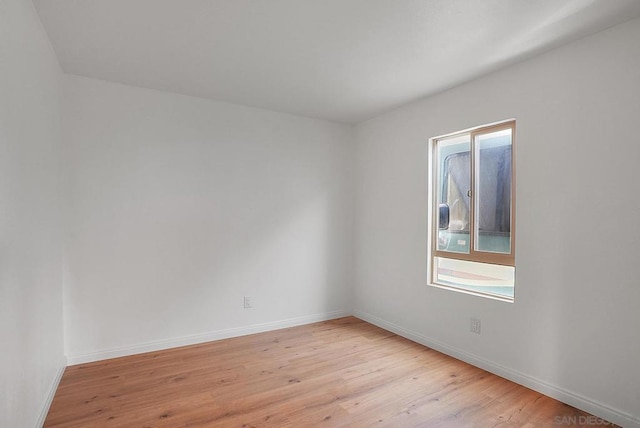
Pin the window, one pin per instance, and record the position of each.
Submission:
(473, 245)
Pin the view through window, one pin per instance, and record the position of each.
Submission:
(474, 214)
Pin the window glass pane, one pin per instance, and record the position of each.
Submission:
(454, 182)
(484, 278)
(493, 192)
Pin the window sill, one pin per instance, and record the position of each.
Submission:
(472, 292)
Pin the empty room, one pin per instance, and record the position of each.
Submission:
(340, 213)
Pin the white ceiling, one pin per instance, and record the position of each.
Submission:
(342, 60)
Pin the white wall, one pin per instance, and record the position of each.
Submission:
(31, 321)
(573, 329)
(182, 206)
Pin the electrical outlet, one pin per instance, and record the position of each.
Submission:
(248, 302)
(475, 326)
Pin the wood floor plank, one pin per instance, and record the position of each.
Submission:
(342, 372)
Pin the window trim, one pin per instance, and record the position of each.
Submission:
(434, 168)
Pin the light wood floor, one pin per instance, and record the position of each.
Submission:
(343, 372)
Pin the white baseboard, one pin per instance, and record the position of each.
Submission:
(158, 345)
(576, 400)
(51, 394)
